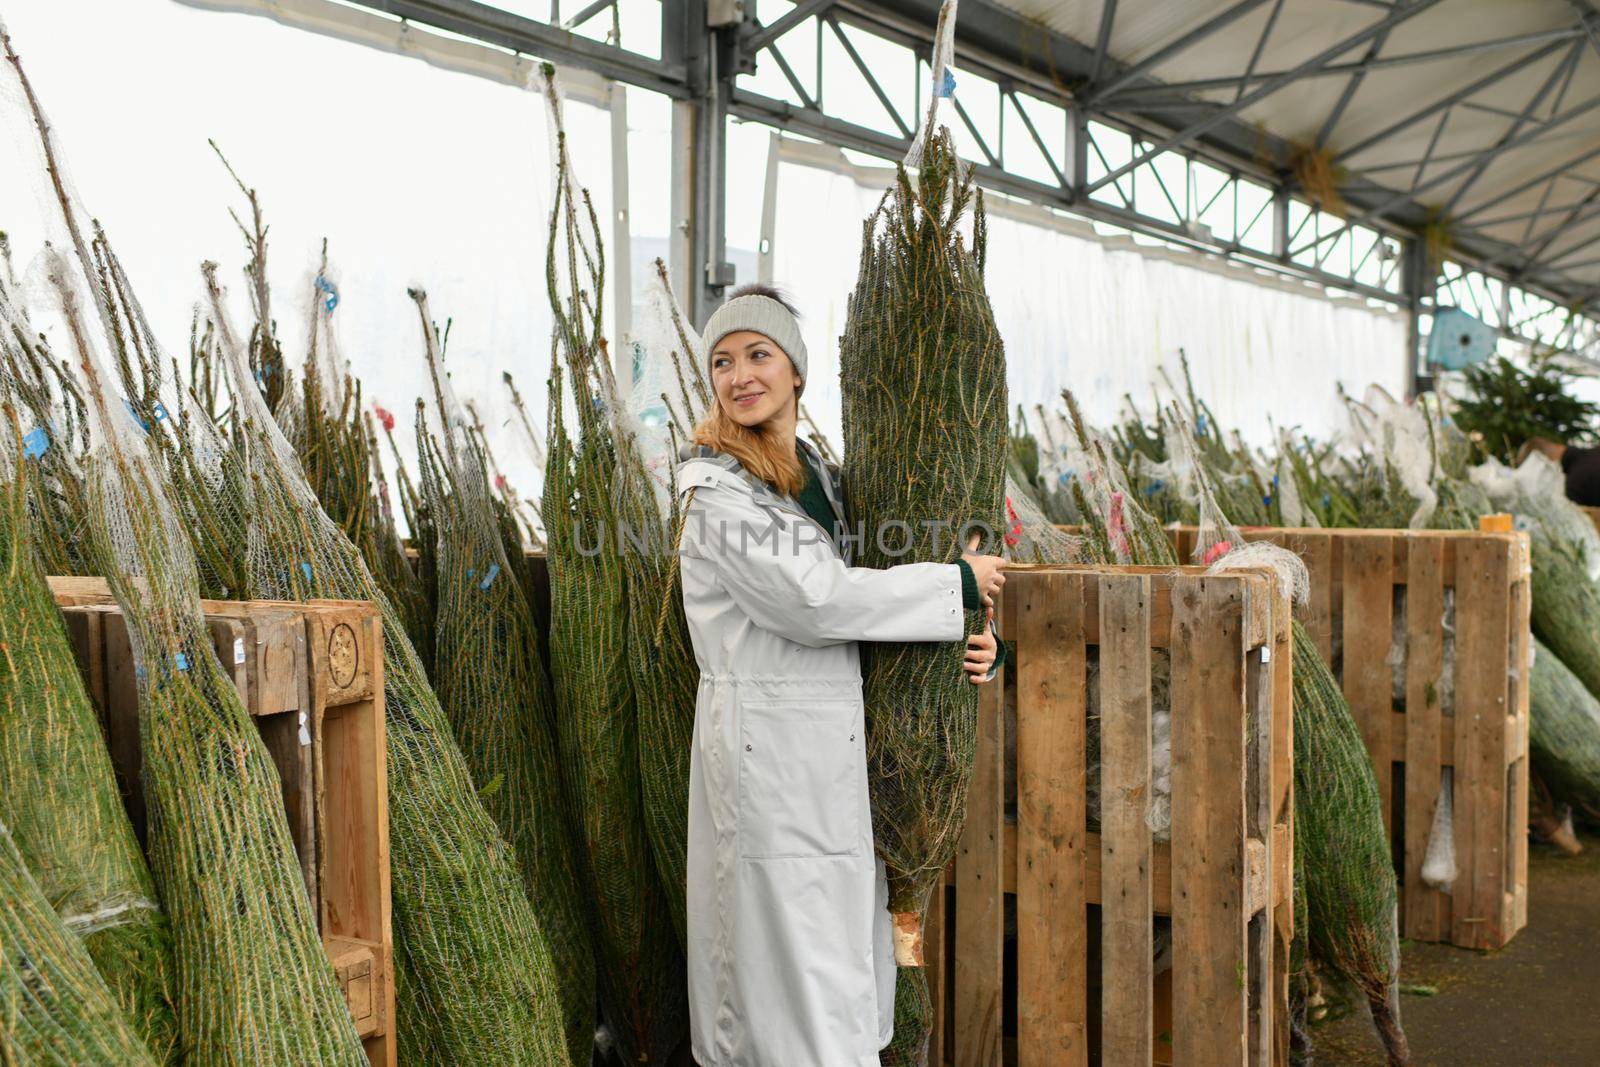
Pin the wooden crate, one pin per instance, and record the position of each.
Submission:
(1226, 882)
(1354, 578)
(1594, 515)
(311, 676)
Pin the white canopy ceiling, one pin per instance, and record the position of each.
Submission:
(1485, 112)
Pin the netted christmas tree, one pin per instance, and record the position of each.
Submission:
(1564, 733)
(491, 684)
(54, 1006)
(58, 793)
(643, 990)
(923, 379)
(254, 984)
(44, 392)
(474, 977)
(670, 394)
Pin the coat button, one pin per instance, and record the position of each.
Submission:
(749, 748)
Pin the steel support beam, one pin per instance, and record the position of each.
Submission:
(1102, 42)
(1145, 94)
(1222, 114)
(789, 20)
(1418, 285)
(699, 135)
(1216, 23)
(1448, 101)
(814, 124)
(520, 34)
(1565, 67)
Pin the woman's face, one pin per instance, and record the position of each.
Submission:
(753, 377)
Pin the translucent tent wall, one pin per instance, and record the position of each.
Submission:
(414, 174)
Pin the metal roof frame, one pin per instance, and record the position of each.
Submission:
(700, 63)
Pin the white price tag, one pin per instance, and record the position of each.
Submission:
(1266, 653)
(238, 651)
(305, 731)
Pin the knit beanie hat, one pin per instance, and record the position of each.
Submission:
(763, 315)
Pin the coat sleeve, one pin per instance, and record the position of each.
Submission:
(812, 598)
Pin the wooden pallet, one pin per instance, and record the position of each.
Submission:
(1354, 577)
(311, 676)
(1226, 883)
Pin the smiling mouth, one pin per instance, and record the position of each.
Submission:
(748, 398)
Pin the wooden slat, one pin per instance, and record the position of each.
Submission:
(345, 682)
(1483, 636)
(122, 717)
(229, 638)
(1258, 825)
(980, 911)
(71, 589)
(1426, 911)
(1521, 602)
(1282, 716)
(1367, 676)
(88, 648)
(1208, 824)
(1127, 972)
(1052, 941)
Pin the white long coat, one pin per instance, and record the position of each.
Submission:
(790, 954)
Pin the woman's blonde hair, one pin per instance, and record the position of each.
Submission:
(758, 451)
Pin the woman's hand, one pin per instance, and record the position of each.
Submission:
(989, 571)
(980, 653)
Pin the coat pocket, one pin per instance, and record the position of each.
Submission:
(801, 767)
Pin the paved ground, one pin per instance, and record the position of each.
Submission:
(1535, 1002)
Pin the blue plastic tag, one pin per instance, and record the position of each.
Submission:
(305, 569)
(489, 576)
(35, 442)
(182, 661)
(325, 286)
(947, 84)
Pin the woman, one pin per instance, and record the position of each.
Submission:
(790, 952)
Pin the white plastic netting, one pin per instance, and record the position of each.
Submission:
(943, 87)
(1287, 486)
(670, 394)
(1030, 536)
(1535, 494)
(1401, 437)
(1218, 543)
